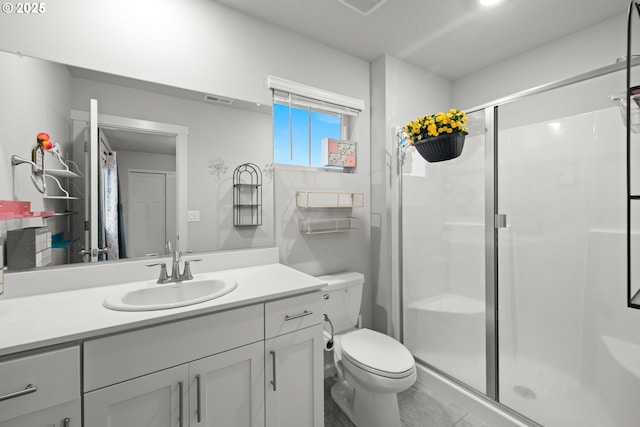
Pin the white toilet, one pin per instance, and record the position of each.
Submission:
(372, 367)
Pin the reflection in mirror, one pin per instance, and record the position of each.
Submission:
(42, 96)
(132, 209)
(147, 189)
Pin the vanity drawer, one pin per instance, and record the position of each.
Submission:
(120, 357)
(40, 381)
(290, 314)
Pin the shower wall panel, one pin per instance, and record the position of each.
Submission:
(443, 259)
(562, 265)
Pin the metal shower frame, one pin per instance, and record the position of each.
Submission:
(491, 110)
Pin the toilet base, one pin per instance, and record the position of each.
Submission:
(342, 394)
(367, 409)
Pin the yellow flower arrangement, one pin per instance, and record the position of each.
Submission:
(436, 124)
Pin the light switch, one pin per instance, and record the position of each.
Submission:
(193, 216)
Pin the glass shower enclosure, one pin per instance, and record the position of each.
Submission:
(514, 257)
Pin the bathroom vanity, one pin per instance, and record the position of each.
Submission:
(252, 357)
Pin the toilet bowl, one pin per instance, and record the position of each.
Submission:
(376, 368)
(372, 367)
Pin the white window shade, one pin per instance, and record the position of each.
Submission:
(286, 91)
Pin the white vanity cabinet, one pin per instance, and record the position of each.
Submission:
(149, 377)
(294, 392)
(41, 390)
(253, 366)
(65, 415)
(227, 389)
(214, 391)
(154, 400)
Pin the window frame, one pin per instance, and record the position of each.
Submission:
(312, 149)
(323, 101)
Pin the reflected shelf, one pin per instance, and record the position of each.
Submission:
(66, 213)
(61, 173)
(61, 197)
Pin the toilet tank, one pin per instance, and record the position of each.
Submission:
(342, 298)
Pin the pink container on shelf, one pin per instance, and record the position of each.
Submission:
(10, 209)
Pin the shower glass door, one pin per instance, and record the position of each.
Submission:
(443, 244)
(562, 258)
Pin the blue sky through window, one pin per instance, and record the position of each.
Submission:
(305, 124)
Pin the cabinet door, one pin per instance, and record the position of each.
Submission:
(37, 382)
(154, 400)
(228, 389)
(65, 415)
(294, 381)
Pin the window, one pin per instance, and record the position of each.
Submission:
(298, 132)
(303, 116)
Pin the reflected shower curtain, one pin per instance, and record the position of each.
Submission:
(110, 227)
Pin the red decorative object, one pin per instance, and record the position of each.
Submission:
(15, 209)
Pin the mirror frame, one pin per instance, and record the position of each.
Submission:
(180, 133)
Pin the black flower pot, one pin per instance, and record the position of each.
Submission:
(442, 147)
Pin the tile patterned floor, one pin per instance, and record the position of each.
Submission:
(419, 407)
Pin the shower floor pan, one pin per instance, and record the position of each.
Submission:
(447, 331)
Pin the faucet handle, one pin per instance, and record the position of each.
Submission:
(186, 274)
(164, 277)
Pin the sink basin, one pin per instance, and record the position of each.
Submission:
(169, 295)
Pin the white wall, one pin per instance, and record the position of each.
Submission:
(400, 93)
(580, 52)
(324, 253)
(194, 44)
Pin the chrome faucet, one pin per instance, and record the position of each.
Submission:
(176, 276)
(175, 266)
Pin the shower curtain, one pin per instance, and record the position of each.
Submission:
(110, 218)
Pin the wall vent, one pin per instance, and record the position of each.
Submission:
(363, 7)
(218, 99)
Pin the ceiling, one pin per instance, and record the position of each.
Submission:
(451, 38)
(126, 140)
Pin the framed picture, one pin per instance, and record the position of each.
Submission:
(338, 152)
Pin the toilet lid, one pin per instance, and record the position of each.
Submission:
(377, 353)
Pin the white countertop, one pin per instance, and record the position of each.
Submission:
(34, 321)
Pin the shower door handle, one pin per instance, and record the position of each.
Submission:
(501, 221)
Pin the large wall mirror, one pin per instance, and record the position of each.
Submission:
(165, 157)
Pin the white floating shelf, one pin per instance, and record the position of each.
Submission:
(329, 199)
